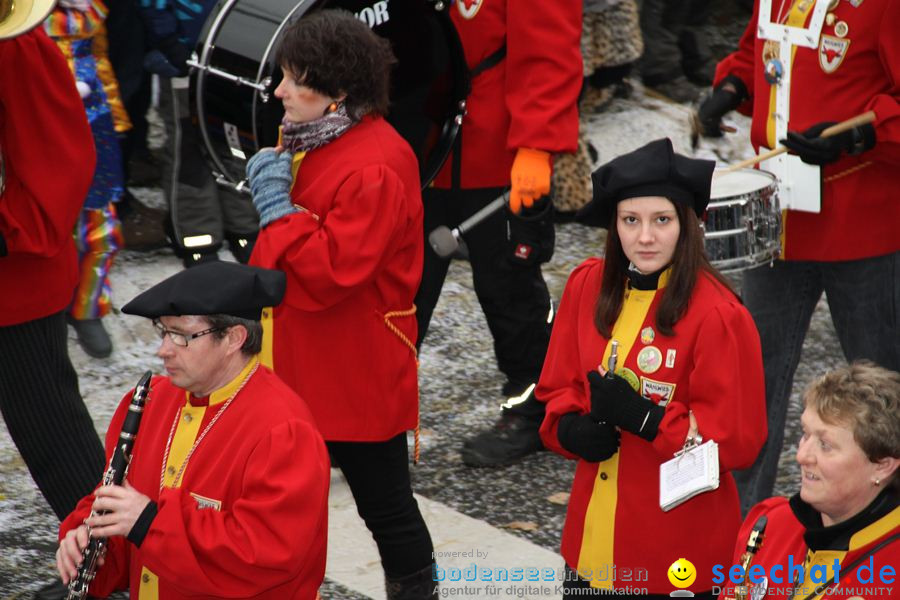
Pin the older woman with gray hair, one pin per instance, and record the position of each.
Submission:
(843, 527)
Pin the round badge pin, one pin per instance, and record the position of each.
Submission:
(647, 335)
(841, 29)
(649, 359)
(774, 71)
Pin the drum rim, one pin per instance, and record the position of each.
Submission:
(729, 199)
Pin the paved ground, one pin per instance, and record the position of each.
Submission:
(513, 512)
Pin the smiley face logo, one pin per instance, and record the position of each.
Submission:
(682, 573)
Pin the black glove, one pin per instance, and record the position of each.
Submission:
(816, 150)
(176, 53)
(580, 435)
(614, 401)
(724, 98)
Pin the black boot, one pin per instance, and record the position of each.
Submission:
(513, 437)
(417, 586)
(92, 336)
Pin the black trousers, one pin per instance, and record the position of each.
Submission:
(673, 40)
(378, 476)
(44, 412)
(511, 290)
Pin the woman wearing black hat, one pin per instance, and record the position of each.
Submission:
(688, 359)
(341, 214)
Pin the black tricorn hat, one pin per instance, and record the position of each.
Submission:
(652, 170)
(213, 288)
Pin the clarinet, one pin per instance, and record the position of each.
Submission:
(115, 475)
(754, 542)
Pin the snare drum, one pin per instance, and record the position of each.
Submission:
(233, 76)
(743, 220)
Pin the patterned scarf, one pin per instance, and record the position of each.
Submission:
(301, 137)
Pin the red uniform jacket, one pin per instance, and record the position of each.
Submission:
(783, 542)
(48, 153)
(711, 366)
(250, 516)
(351, 260)
(860, 211)
(530, 98)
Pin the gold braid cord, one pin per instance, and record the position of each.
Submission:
(409, 344)
(846, 172)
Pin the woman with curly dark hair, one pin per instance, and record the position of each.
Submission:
(341, 214)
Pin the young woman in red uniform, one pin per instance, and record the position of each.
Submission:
(341, 214)
(688, 359)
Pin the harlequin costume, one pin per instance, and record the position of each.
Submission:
(78, 30)
(794, 535)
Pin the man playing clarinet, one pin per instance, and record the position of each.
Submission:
(227, 490)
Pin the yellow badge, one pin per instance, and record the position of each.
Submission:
(649, 359)
(630, 376)
(647, 335)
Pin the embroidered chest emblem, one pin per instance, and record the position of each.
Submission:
(469, 8)
(657, 391)
(832, 51)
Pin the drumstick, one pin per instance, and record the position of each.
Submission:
(866, 117)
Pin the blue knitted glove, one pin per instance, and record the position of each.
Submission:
(270, 178)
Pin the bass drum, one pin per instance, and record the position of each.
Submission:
(233, 76)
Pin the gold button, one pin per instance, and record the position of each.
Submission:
(145, 578)
(188, 418)
(170, 470)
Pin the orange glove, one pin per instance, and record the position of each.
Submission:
(530, 178)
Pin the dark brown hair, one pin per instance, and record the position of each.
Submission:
(688, 262)
(335, 53)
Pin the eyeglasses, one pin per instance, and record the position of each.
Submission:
(181, 339)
